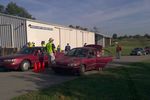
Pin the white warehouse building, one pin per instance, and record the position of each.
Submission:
(17, 31)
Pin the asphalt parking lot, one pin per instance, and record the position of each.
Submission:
(14, 83)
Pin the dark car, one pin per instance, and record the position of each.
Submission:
(147, 50)
(24, 59)
(138, 51)
(82, 59)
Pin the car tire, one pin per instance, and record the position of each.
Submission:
(25, 65)
(82, 69)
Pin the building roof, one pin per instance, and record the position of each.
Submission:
(40, 21)
(104, 35)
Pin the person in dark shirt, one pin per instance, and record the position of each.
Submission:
(53, 47)
(67, 48)
(118, 51)
(85, 44)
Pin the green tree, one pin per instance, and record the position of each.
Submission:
(137, 36)
(96, 30)
(77, 27)
(114, 36)
(2, 8)
(71, 26)
(13, 9)
(147, 35)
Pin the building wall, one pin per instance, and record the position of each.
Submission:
(102, 40)
(16, 32)
(12, 31)
(99, 40)
(37, 32)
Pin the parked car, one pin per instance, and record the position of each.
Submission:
(98, 47)
(138, 51)
(24, 59)
(147, 50)
(82, 59)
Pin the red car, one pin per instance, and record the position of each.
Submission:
(24, 59)
(82, 59)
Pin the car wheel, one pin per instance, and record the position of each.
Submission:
(25, 65)
(82, 70)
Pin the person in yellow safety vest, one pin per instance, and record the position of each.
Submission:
(43, 44)
(33, 44)
(58, 48)
(49, 49)
(29, 44)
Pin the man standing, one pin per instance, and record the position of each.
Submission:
(49, 49)
(58, 48)
(67, 48)
(118, 51)
(43, 43)
(53, 48)
(85, 44)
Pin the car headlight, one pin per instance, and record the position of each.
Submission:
(9, 60)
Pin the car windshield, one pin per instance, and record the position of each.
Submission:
(26, 51)
(78, 52)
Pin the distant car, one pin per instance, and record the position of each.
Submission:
(82, 59)
(138, 51)
(24, 59)
(147, 50)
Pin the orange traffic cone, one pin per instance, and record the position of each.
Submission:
(35, 68)
(43, 66)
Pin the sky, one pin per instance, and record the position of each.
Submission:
(109, 16)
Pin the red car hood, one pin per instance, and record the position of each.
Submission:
(13, 56)
(66, 60)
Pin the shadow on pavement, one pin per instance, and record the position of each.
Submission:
(4, 70)
(34, 81)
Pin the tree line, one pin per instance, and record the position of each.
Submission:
(13, 9)
(115, 36)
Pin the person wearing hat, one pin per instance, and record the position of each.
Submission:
(67, 48)
(33, 44)
(49, 49)
(29, 44)
(58, 48)
(43, 43)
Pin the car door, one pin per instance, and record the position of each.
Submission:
(35, 55)
(91, 60)
(103, 59)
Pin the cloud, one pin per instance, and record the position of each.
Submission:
(115, 12)
(109, 15)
